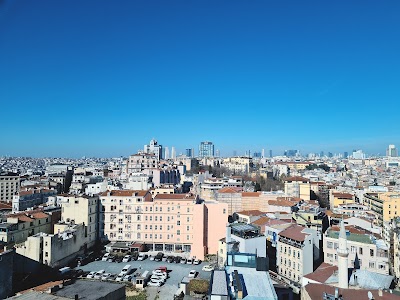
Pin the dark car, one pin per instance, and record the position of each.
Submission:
(170, 259)
(177, 259)
(135, 255)
(159, 256)
(111, 258)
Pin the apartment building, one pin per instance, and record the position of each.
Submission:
(232, 197)
(169, 222)
(141, 161)
(299, 187)
(372, 253)
(240, 164)
(296, 254)
(30, 198)
(9, 186)
(83, 210)
(385, 206)
(57, 249)
(210, 186)
(336, 199)
(20, 226)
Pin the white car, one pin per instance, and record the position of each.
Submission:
(151, 257)
(154, 282)
(119, 277)
(127, 278)
(192, 274)
(91, 274)
(159, 272)
(105, 257)
(106, 276)
(189, 261)
(196, 261)
(99, 274)
(127, 258)
(208, 268)
(158, 278)
(142, 256)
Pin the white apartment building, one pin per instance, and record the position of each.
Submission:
(295, 253)
(373, 253)
(9, 186)
(210, 186)
(139, 162)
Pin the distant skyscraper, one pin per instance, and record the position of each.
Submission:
(154, 148)
(234, 153)
(166, 153)
(173, 153)
(322, 154)
(346, 154)
(358, 154)
(262, 153)
(217, 153)
(189, 152)
(270, 153)
(330, 154)
(291, 153)
(257, 154)
(391, 151)
(206, 149)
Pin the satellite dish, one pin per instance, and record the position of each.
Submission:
(370, 296)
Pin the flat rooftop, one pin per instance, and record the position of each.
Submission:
(219, 283)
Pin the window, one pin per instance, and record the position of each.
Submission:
(155, 227)
(138, 226)
(145, 227)
(188, 209)
(151, 218)
(145, 236)
(160, 218)
(155, 218)
(138, 235)
(146, 218)
(187, 228)
(119, 230)
(178, 222)
(372, 265)
(371, 252)
(178, 232)
(46, 254)
(160, 227)
(188, 219)
(138, 217)
(353, 249)
(187, 237)
(329, 245)
(360, 250)
(224, 211)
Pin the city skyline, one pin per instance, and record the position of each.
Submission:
(101, 80)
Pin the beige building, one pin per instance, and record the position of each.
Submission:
(211, 186)
(81, 210)
(337, 198)
(139, 162)
(170, 222)
(56, 249)
(299, 187)
(232, 197)
(295, 254)
(385, 206)
(9, 186)
(22, 225)
(241, 164)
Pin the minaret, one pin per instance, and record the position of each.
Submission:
(343, 255)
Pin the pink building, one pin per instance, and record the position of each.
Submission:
(169, 222)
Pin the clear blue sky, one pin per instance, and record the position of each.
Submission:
(101, 78)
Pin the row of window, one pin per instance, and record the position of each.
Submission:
(288, 250)
(147, 208)
(147, 218)
(353, 249)
(146, 235)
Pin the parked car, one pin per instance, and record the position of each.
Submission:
(105, 256)
(99, 274)
(91, 274)
(127, 278)
(159, 256)
(127, 258)
(151, 257)
(189, 261)
(119, 259)
(192, 274)
(177, 259)
(154, 282)
(208, 268)
(183, 260)
(142, 256)
(170, 259)
(135, 255)
(106, 276)
(119, 277)
(126, 270)
(158, 278)
(160, 273)
(197, 261)
(111, 258)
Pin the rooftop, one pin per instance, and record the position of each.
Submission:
(219, 284)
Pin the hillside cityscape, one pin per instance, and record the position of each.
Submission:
(158, 224)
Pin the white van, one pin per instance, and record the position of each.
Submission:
(126, 270)
(105, 257)
(64, 270)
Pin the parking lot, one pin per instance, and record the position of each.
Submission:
(176, 272)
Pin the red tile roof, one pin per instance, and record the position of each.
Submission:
(297, 178)
(322, 273)
(230, 190)
(125, 193)
(253, 212)
(261, 221)
(251, 194)
(295, 233)
(174, 197)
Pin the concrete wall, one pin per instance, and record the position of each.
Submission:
(6, 273)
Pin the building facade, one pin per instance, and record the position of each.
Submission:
(9, 186)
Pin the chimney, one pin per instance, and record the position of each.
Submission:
(228, 233)
(336, 293)
(380, 292)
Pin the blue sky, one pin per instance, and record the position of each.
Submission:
(101, 78)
